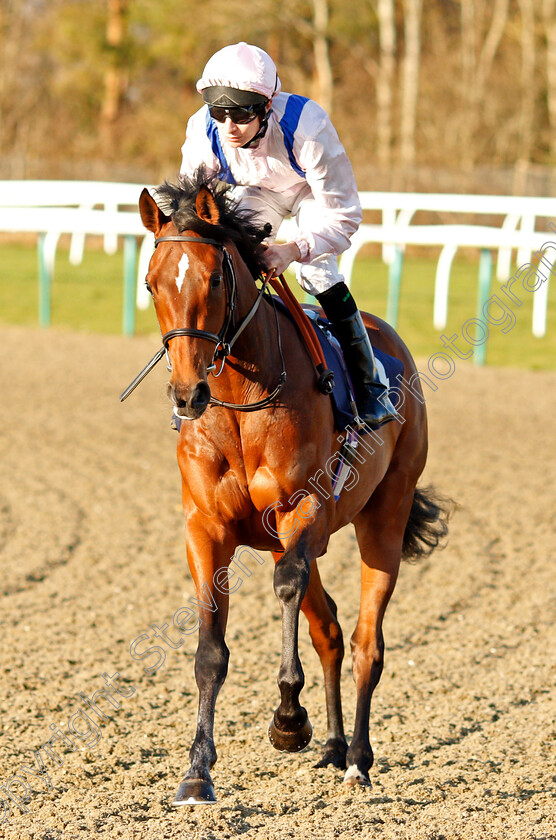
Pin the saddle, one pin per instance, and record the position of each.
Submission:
(332, 372)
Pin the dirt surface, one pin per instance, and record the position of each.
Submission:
(92, 555)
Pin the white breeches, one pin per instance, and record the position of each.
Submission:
(314, 277)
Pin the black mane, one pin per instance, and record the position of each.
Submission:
(235, 225)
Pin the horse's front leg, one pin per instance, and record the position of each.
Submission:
(290, 729)
(207, 560)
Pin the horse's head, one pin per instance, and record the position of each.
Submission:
(187, 283)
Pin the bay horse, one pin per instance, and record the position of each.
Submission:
(259, 431)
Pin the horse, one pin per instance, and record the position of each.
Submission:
(255, 431)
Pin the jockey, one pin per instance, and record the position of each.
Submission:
(282, 156)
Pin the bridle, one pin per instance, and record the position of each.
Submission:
(223, 348)
(223, 343)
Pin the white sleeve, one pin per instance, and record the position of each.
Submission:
(327, 226)
(197, 148)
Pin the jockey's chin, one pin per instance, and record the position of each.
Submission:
(238, 135)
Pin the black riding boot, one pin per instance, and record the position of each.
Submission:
(371, 396)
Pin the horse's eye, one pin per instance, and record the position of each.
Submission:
(215, 281)
(149, 289)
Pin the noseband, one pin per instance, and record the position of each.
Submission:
(223, 344)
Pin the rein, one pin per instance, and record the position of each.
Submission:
(223, 345)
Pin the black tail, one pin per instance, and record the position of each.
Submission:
(427, 525)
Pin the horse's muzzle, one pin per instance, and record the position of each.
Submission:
(190, 402)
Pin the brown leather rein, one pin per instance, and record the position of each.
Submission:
(224, 345)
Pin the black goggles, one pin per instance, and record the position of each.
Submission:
(238, 115)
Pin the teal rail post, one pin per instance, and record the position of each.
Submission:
(394, 287)
(485, 276)
(45, 282)
(130, 274)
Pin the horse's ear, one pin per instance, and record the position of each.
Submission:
(151, 215)
(206, 206)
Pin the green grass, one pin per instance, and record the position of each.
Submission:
(517, 347)
(84, 297)
(89, 297)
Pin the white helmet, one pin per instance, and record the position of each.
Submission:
(241, 67)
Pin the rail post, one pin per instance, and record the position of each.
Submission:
(485, 276)
(394, 287)
(130, 259)
(45, 282)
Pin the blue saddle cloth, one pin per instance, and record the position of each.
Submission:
(342, 395)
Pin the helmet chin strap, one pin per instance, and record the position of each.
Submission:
(262, 130)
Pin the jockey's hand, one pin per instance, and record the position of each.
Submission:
(279, 257)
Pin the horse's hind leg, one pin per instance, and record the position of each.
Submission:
(326, 635)
(379, 527)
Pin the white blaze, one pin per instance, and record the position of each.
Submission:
(183, 265)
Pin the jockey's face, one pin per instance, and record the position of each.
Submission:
(236, 134)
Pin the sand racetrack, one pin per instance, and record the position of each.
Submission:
(91, 544)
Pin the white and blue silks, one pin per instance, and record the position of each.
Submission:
(298, 168)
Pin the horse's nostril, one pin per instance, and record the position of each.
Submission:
(184, 398)
(200, 396)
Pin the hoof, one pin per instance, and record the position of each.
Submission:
(290, 741)
(334, 754)
(195, 792)
(356, 778)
